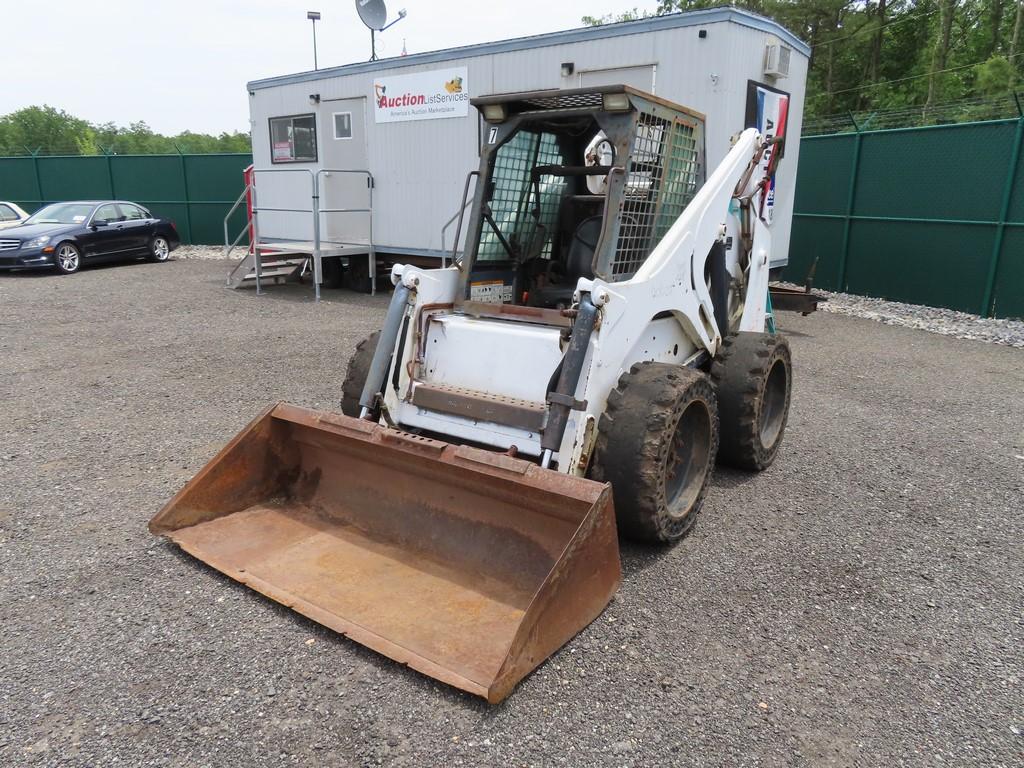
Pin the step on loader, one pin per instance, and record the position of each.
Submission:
(573, 376)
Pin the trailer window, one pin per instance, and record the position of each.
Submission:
(293, 139)
(343, 125)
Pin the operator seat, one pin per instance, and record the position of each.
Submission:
(578, 263)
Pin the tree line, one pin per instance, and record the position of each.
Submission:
(917, 60)
(50, 131)
(894, 55)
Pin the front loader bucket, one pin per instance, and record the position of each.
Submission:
(467, 565)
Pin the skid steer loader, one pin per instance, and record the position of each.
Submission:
(601, 336)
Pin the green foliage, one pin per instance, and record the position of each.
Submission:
(995, 77)
(612, 18)
(871, 56)
(54, 132)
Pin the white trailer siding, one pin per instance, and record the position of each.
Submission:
(420, 166)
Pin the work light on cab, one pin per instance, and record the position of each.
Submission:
(495, 113)
(615, 102)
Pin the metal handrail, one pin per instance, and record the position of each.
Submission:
(228, 250)
(238, 202)
(314, 209)
(444, 229)
(317, 211)
(258, 263)
(460, 214)
(369, 186)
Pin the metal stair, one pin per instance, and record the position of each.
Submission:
(280, 259)
(275, 266)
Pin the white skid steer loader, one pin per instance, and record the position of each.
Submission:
(602, 336)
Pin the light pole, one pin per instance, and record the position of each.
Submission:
(314, 16)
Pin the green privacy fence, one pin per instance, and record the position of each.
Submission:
(196, 191)
(931, 215)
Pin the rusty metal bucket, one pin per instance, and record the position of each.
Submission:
(469, 566)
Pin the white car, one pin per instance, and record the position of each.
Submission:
(11, 215)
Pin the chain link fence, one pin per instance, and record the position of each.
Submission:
(927, 215)
(196, 191)
(970, 110)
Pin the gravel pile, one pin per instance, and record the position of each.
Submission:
(206, 252)
(859, 603)
(948, 322)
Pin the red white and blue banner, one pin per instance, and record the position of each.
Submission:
(768, 111)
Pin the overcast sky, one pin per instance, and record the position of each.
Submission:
(183, 64)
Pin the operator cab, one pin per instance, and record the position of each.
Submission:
(574, 184)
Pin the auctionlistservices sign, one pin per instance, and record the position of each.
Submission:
(421, 96)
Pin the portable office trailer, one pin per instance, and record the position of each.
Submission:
(404, 126)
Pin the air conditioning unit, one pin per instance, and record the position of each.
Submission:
(776, 60)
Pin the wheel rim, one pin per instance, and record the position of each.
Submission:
(688, 459)
(773, 404)
(67, 257)
(160, 249)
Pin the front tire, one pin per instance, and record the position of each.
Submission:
(159, 249)
(656, 445)
(753, 376)
(355, 375)
(67, 259)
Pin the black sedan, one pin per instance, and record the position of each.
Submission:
(66, 236)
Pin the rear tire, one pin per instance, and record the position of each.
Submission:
(159, 249)
(753, 378)
(656, 445)
(355, 375)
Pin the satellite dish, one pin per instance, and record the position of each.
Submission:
(373, 13)
(375, 16)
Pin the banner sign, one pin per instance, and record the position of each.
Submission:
(768, 111)
(421, 96)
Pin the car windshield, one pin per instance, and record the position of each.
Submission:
(61, 213)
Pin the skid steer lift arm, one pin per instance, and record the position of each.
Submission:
(725, 204)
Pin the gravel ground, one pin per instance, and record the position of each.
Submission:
(857, 604)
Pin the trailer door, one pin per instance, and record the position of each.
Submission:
(343, 123)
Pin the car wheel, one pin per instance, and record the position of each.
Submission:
(68, 259)
(159, 249)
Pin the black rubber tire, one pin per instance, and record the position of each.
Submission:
(355, 375)
(653, 408)
(753, 376)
